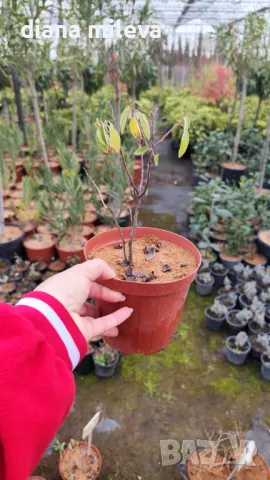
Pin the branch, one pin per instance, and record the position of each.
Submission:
(108, 206)
(112, 113)
(131, 182)
(168, 133)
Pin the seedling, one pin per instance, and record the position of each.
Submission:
(227, 284)
(108, 140)
(257, 306)
(204, 278)
(265, 296)
(241, 341)
(250, 290)
(218, 267)
(218, 310)
(243, 316)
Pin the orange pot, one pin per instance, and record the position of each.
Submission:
(68, 252)
(35, 250)
(201, 462)
(68, 451)
(157, 306)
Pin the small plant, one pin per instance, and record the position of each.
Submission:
(250, 290)
(263, 340)
(59, 447)
(204, 278)
(3, 279)
(265, 280)
(227, 285)
(241, 341)
(232, 297)
(243, 316)
(105, 355)
(238, 268)
(265, 296)
(257, 305)
(246, 273)
(218, 267)
(218, 310)
(259, 319)
(205, 267)
(259, 270)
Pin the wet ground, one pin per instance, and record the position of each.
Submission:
(186, 392)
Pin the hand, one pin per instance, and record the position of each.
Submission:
(74, 286)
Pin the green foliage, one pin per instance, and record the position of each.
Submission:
(93, 76)
(146, 74)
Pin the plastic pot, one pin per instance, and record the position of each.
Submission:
(213, 324)
(237, 358)
(86, 365)
(219, 278)
(207, 460)
(263, 243)
(36, 252)
(265, 368)
(253, 329)
(204, 289)
(229, 261)
(224, 296)
(105, 371)
(232, 326)
(234, 174)
(64, 475)
(256, 354)
(157, 306)
(65, 254)
(258, 470)
(7, 249)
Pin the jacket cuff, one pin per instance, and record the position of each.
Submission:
(52, 319)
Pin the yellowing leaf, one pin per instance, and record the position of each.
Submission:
(145, 125)
(135, 129)
(100, 142)
(141, 150)
(115, 139)
(123, 119)
(156, 157)
(146, 192)
(185, 138)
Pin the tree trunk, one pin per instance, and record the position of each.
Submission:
(2, 218)
(117, 104)
(45, 107)
(265, 153)
(258, 111)
(37, 117)
(241, 119)
(233, 107)
(74, 116)
(18, 100)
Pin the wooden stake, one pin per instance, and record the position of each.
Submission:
(88, 430)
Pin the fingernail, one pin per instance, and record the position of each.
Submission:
(131, 310)
(123, 298)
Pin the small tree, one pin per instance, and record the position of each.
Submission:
(108, 139)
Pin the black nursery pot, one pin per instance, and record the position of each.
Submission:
(124, 221)
(7, 249)
(263, 247)
(86, 365)
(219, 277)
(105, 371)
(232, 175)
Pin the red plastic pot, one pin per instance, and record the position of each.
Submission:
(67, 451)
(67, 253)
(40, 253)
(157, 306)
(207, 459)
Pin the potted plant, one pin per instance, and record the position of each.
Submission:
(105, 359)
(238, 320)
(142, 272)
(6, 286)
(219, 273)
(76, 463)
(253, 466)
(4, 266)
(204, 283)
(207, 464)
(259, 344)
(263, 281)
(57, 266)
(229, 300)
(258, 324)
(245, 275)
(246, 298)
(215, 316)
(40, 247)
(227, 287)
(265, 364)
(238, 348)
(20, 265)
(235, 271)
(33, 274)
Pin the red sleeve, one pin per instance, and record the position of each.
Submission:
(39, 347)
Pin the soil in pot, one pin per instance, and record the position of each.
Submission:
(21, 266)
(4, 266)
(15, 276)
(57, 266)
(259, 471)
(225, 300)
(232, 172)
(70, 247)
(257, 348)
(203, 466)
(41, 266)
(11, 232)
(11, 241)
(157, 302)
(155, 260)
(235, 324)
(7, 287)
(40, 247)
(256, 329)
(75, 462)
(229, 260)
(90, 218)
(255, 259)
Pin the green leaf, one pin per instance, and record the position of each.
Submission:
(100, 142)
(115, 139)
(146, 192)
(156, 158)
(185, 138)
(123, 119)
(145, 125)
(141, 150)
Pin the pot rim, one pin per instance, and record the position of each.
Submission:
(140, 232)
(111, 364)
(217, 319)
(12, 224)
(40, 248)
(243, 325)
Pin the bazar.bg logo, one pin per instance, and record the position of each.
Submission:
(173, 452)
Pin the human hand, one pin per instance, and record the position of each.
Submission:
(74, 286)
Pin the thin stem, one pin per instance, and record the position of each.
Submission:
(111, 210)
(133, 230)
(112, 113)
(168, 133)
(131, 182)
